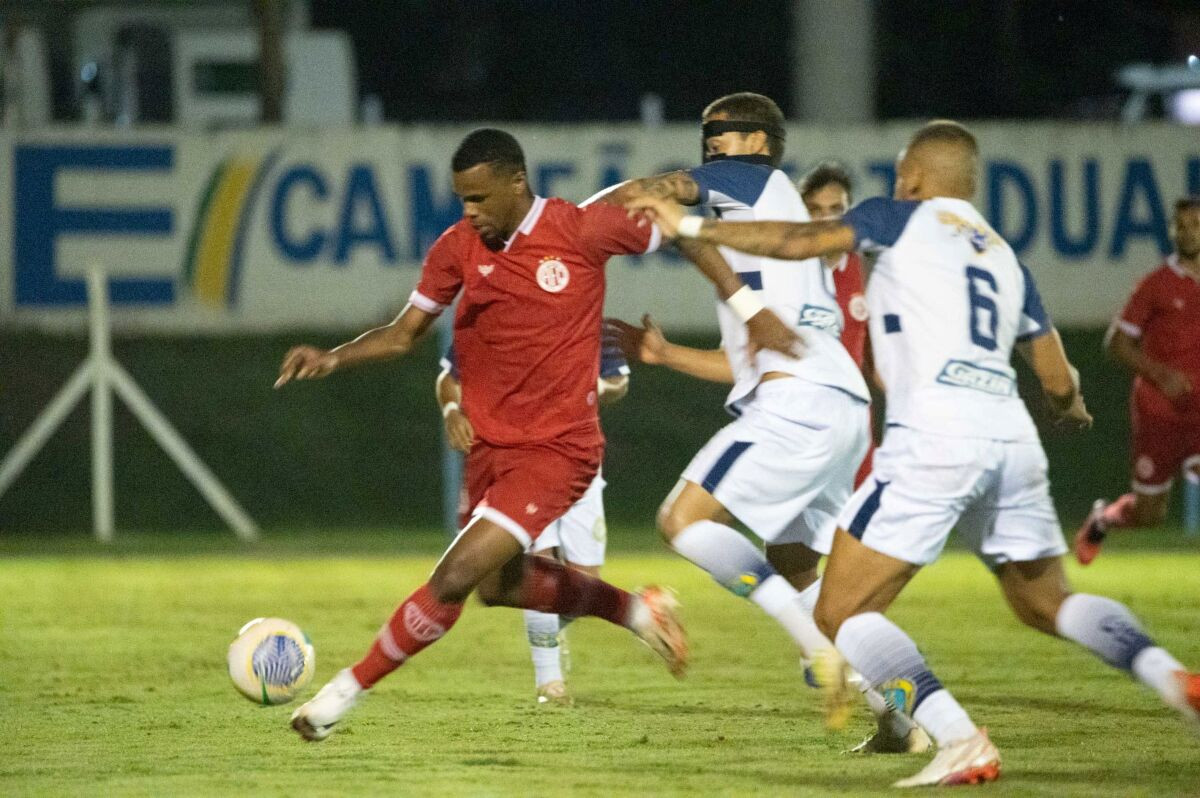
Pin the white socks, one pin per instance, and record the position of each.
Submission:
(542, 631)
(883, 654)
(1110, 630)
(742, 569)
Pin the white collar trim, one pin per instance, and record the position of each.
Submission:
(529, 222)
(1173, 265)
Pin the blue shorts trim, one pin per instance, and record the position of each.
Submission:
(723, 464)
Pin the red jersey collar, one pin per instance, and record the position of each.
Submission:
(529, 222)
(1173, 265)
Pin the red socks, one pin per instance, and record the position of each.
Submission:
(550, 586)
(1117, 514)
(418, 622)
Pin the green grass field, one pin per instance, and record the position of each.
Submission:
(112, 682)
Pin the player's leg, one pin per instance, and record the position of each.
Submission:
(896, 522)
(542, 632)
(1158, 448)
(420, 620)
(1038, 593)
(743, 471)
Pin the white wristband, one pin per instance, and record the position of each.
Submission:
(689, 226)
(744, 303)
(449, 408)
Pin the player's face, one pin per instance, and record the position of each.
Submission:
(733, 143)
(491, 198)
(829, 201)
(1187, 233)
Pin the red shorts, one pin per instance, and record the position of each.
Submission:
(525, 488)
(1161, 446)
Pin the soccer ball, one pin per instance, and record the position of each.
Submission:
(271, 660)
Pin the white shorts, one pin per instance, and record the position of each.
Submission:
(996, 493)
(580, 533)
(786, 466)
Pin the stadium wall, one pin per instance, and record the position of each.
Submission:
(264, 230)
(361, 449)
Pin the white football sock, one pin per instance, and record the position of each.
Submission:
(742, 569)
(882, 652)
(542, 631)
(809, 596)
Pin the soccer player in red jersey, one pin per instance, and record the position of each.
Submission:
(1157, 337)
(531, 276)
(826, 192)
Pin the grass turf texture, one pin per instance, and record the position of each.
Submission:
(113, 682)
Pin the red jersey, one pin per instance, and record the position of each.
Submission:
(527, 329)
(1164, 315)
(849, 285)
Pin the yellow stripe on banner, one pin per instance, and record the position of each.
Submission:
(214, 256)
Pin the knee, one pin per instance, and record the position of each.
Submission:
(671, 521)
(451, 584)
(828, 616)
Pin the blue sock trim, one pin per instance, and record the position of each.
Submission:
(925, 685)
(1133, 642)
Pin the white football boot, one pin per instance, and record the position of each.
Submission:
(315, 719)
(971, 761)
(655, 619)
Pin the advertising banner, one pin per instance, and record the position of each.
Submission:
(259, 230)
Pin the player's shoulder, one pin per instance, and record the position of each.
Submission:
(1160, 278)
(738, 179)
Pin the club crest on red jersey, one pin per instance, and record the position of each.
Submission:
(858, 307)
(553, 275)
(486, 269)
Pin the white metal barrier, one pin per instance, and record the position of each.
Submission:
(102, 374)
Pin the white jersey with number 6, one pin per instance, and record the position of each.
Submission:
(948, 299)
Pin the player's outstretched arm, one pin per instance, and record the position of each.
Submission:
(765, 329)
(678, 185)
(782, 240)
(647, 344)
(1128, 351)
(382, 343)
(1058, 378)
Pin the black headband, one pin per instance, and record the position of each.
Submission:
(719, 126)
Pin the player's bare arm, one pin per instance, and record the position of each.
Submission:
(647, 344)
(1058, 378)
(782, 240)
(382, 343)
(459, 431)
(1127, 350)
(678, 185)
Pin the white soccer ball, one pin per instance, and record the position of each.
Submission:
(271, 660)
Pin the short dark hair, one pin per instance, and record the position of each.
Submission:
(491, 146)
(746, 106)
(1191, 203)
(945, 130)
(822, 175)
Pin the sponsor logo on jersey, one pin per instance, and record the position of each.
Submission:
(819, 317)
(553, 275)
(980, 237)
(486, 269)
(858, 307)
(962, 374)
(531, 509)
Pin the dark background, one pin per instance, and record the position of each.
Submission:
(569, 61)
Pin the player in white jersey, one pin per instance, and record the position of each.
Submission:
(949, 303)
(786, 465)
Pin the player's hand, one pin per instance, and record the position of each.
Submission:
(1076, 417)
(667, 214)
(768, 331)
(305, 363)
(645, 344)
(459, 432)
(1173, 384)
